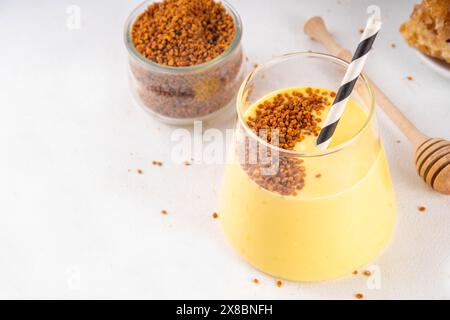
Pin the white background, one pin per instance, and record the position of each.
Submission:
(74, 223)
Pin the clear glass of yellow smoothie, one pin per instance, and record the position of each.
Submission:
(288, 208)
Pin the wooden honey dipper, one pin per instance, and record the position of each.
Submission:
(432, 155)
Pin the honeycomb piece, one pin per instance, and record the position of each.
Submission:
(428, 29)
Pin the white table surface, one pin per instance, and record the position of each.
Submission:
(74, 223)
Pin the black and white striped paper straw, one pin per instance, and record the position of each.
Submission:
(351, 76)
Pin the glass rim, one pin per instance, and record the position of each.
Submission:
(173, 69)
(318, 153)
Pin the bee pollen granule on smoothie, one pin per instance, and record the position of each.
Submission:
(293, 115)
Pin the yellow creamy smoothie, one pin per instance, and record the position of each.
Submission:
(325, 214)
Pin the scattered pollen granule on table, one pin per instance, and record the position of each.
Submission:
(409, 78)
(422, 209)
(359, 296)
(367, 273)
(183, 32)
(279, 283)
(215, 215)
(157, 163)
(255, 281)
(164, 212)
(139, 171)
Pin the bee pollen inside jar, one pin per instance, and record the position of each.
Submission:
(185, 33)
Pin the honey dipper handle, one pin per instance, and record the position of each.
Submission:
(316, 29)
